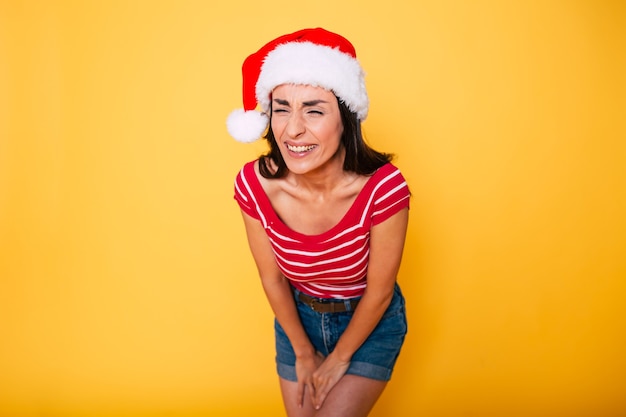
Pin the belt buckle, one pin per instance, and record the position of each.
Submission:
(316, 305)
(312, 302)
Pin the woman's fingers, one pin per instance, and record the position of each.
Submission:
(300, 393)
(304, 371)
(325, 378)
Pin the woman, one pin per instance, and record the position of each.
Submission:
(326, 218)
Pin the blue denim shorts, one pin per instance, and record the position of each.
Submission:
(375, 358)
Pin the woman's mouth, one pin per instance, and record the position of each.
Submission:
(300, 148)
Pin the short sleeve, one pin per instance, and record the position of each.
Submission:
(243, 191)
(391, 194)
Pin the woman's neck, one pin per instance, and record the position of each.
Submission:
(322, 180)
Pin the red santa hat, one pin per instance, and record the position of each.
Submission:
(313, 57)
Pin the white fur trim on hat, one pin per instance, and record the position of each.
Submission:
(246, 126)
(315, 65)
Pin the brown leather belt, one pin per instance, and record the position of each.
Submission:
(327, 306)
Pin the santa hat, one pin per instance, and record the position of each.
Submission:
(313, 57)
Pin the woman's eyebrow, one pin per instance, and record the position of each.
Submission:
(309, 103)
(281, 102)
(313, 103)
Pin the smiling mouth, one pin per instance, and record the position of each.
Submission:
(300, 149)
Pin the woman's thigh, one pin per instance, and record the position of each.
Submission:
(353, 396)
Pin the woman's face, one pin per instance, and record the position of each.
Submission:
(307, 127)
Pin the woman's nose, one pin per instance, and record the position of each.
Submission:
(295, 125)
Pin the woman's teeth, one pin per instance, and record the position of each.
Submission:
(300, 149)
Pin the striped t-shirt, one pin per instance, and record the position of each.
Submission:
(332, 264)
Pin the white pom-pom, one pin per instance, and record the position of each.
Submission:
(246, 126)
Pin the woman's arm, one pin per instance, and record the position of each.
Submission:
(280, 297)
(386, 246)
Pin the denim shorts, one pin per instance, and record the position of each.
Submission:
(375, 358)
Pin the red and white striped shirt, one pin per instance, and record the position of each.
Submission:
(332, 264)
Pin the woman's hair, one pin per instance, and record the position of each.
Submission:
(360, 157)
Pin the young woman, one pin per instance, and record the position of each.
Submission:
(326, 218)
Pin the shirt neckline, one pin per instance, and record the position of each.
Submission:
(275, 222)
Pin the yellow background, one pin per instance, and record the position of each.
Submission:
(126, 286)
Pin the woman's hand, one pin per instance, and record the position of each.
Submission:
(305, 369)
(326, 377)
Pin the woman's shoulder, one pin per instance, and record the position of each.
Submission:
(390, 193)
(250, 175)
(386, 170)
(388, 178)
(248, 171)
(246, 180)
(254, 166)
(248, 167)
